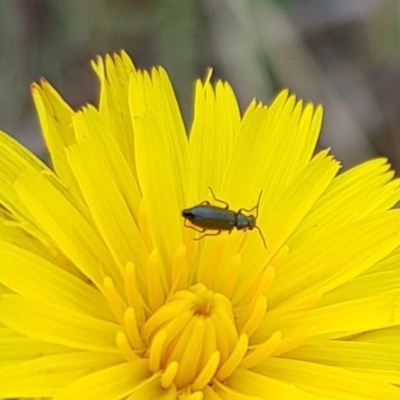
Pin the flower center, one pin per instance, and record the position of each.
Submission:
(193, 337)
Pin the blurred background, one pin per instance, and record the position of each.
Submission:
(344, 54)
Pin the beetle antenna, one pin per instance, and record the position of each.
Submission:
(262, 236)
(212, 192)
(257, 227)
(258, 203)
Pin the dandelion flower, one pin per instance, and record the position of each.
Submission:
(106, 294)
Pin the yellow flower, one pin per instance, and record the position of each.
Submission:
(106, 294)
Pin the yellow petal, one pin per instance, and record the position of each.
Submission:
(44, 376)
(364, 190)
(162, 157)
(24, 273)
(113, 383)
(58, 325)
(66, 225)
(333, 257)
(381, 360)
(264, 387)
(110, 209)
(16, 348)
(327, 382)
(335, 321)
(151, 389)
(55, 118)
(215, 126)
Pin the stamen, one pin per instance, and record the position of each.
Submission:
(212, 265)
(192, 396)
(294, 342)
(167, 378)
(256, 316)
(235, 358)
(181, 345)
(155, 286)
(261, 285)
(210, 341)
(132, 329)
(190, 359)
(124, 347)
(266, 281)
(156, 351)
(233, 267)
(179, 270)
(193, 339)
(114, 300)
(223, 342)
(262, 351)
(164, 315)
(132, 292)
(223, 301)
(224, 320)
(178, 324)
(279, 258)
(208, 372)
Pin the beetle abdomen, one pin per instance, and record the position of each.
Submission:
(211, 217)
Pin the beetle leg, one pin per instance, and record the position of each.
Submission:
(207, 234)
(252, 209)
(220, 201)
(247, 211)
(201, 230)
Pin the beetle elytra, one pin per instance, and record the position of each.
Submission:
(205, 216)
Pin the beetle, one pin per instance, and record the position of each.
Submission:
(205, 217)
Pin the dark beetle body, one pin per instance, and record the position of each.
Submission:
(209, 217)
(217, 218)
